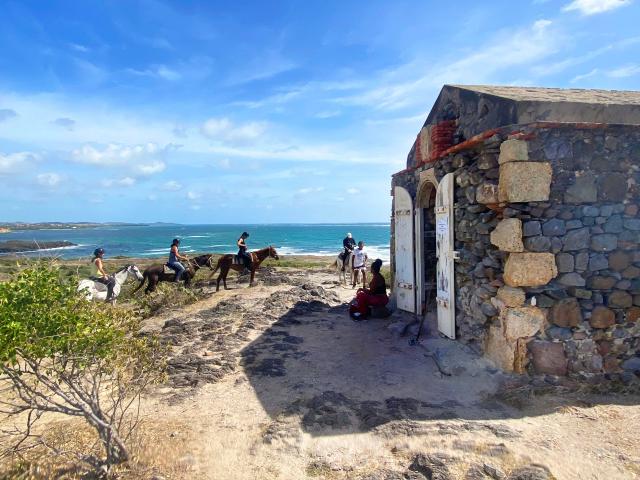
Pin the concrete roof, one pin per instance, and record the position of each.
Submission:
(573, 95)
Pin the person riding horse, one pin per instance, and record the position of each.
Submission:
(98, 274)
(174, 259)
(348, 244)
(243, 254)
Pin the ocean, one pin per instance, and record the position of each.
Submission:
(154, 240)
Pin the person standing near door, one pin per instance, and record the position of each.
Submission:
(359, 263)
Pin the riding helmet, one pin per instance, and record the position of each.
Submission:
(98, 251)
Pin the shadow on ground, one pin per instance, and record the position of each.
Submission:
(315, 364)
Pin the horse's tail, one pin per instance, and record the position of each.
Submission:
(214, 270)
(145, 275)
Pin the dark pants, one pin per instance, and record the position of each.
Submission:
(110, 282)
(345, 258)
(246, 258)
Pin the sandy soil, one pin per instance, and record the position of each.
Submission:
(276, 382)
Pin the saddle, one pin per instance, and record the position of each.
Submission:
(168, 270)
(237, 260)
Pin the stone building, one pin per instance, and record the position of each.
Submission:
(517, 219)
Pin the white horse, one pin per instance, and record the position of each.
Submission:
(342, 274)
(98, 291)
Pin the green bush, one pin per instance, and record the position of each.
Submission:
(43, 317)
(63, 354)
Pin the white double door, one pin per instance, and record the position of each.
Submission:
(408, 265)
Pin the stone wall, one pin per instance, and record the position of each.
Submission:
(548, 228)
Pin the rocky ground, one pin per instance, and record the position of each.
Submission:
(276, 382)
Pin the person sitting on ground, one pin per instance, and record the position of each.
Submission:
(348, 244)
(359, 263)
(98, 274)
(175, 258)
(374, 296)
(243, 254)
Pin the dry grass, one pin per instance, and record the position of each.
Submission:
(158, 448)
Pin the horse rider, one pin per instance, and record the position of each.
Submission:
(348, 244)
(243, 254)
(175, 258)
(98, 274)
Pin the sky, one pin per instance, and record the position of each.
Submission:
(262, 112)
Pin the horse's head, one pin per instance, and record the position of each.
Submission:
(272, 253)
(133, 270)
(204, 260)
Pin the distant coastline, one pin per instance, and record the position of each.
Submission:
(20, 226)
(22, 246)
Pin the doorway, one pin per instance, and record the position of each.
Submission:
(426, 261)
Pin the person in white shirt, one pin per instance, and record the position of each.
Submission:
(359, 263)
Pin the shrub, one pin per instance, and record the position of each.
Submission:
(62, 354)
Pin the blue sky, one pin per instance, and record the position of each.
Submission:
(232, 112)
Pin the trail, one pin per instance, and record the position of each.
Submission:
(276, 382)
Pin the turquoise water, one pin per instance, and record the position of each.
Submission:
(154, 240)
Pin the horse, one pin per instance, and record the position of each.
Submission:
(339, 263)
(230, 261)
(98, 291)
(156, 273)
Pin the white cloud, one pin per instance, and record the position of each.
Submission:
(263, 65)
(49, 179)
(508, 49)
(626, 71)
(224, 163)
(353, 191)
(142, 160)
(223, 129)
(195, 207)
(12, 162)
(191, 195)
(157, 71)
(584, 76)
(592, 7)
(121, 182)
(66, 123)
(6, 114)
(151, 168)
(171, 186)
(328, 114)
(307, 190)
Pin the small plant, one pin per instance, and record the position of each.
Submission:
(62, 354)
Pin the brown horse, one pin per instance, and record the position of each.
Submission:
(155, 273)
(226, 263)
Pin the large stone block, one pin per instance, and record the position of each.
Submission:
(507, 235)
(530, 269)
(498, 349)
(513, 151)
(521, 322)
(524, 182)
(548, 357)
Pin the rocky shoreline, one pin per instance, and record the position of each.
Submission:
(20, 246)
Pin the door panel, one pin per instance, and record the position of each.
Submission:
(446, 257)
(404, 287)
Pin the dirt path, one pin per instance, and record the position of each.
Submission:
(276, 382)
